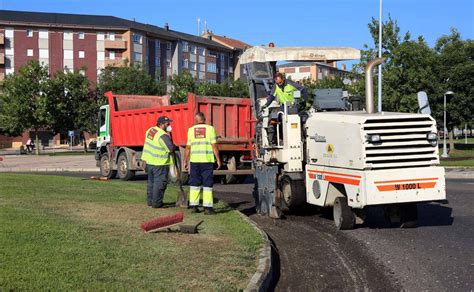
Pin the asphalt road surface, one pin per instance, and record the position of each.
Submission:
(312, 255)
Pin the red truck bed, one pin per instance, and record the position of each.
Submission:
(230, 116)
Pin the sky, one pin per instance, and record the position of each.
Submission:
(286, 23)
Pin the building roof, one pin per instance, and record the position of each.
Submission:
(97, 21)
(226, 41)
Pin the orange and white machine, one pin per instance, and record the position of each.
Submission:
(386, 159)
(347, 160)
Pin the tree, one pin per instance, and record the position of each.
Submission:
(455, 72)
(181, 84)
(209, 89)
(71, 104)
(23, 101)
(408, 67)
(129, 80)
(234, 88)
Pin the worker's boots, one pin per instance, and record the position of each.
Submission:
(195, 209)
(209, 211)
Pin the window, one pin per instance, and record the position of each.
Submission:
(137, 57)
(192, 49)
(168, 64)
(43, 53)
(231, 70)
(168, 46)
(66, 69)
(82, 54)
(29, 52)
(201, 51)
(157, 45)
(185, 47)
(43, 34)
(100, 36)
(111, 36)
(211, 67)
(112, 55)
(157, 62)
(81, 35)
(222, 57)
(212, 81)
(212, 54)
(9, 32)
(29, 33)
(82, 72)
(67, 35)
(68, 55)
(186, 63)
(100, 56)
(137, 38)
(202, 67)
(192, 66)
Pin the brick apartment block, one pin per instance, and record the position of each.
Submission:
(89, 43)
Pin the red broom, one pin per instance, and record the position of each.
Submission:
(162, 222)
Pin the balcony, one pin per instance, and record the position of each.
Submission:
(118, 62)
(115, 45)
(2, 59)
(2, 39)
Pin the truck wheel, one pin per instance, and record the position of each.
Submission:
(105, 167)
(344, 218)
(292, 192)
(123, 167)
(408, 216)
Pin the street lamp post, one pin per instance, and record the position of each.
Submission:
(445, 130)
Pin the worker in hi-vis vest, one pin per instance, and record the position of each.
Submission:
(200, 155)
(283, 91)
(157, 156)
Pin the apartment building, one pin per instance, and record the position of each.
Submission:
(237, 47)
(89, 43)
(298, 71)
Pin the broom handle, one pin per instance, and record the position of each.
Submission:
(178, 168)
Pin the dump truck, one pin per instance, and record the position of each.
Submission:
(125, 119)
(345, 160)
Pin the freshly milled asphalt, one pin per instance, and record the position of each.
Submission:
(312, 255)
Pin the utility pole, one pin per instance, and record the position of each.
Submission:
(380, 56)
(199, 26)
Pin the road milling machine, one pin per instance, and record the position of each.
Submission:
(347, 160)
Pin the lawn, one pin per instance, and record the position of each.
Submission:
(461, 156)
(62, 233)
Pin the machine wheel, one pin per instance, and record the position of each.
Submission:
(292, 193)
(105, 167)
(123, 167)
(344, 218)
(408, 216)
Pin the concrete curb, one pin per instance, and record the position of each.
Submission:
(262, 278)
(14, 169)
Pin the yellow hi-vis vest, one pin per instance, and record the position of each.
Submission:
(155, 151)
(285, 95)
(200, 138)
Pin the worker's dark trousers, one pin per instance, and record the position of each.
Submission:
(201, 178)
(157, 182)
